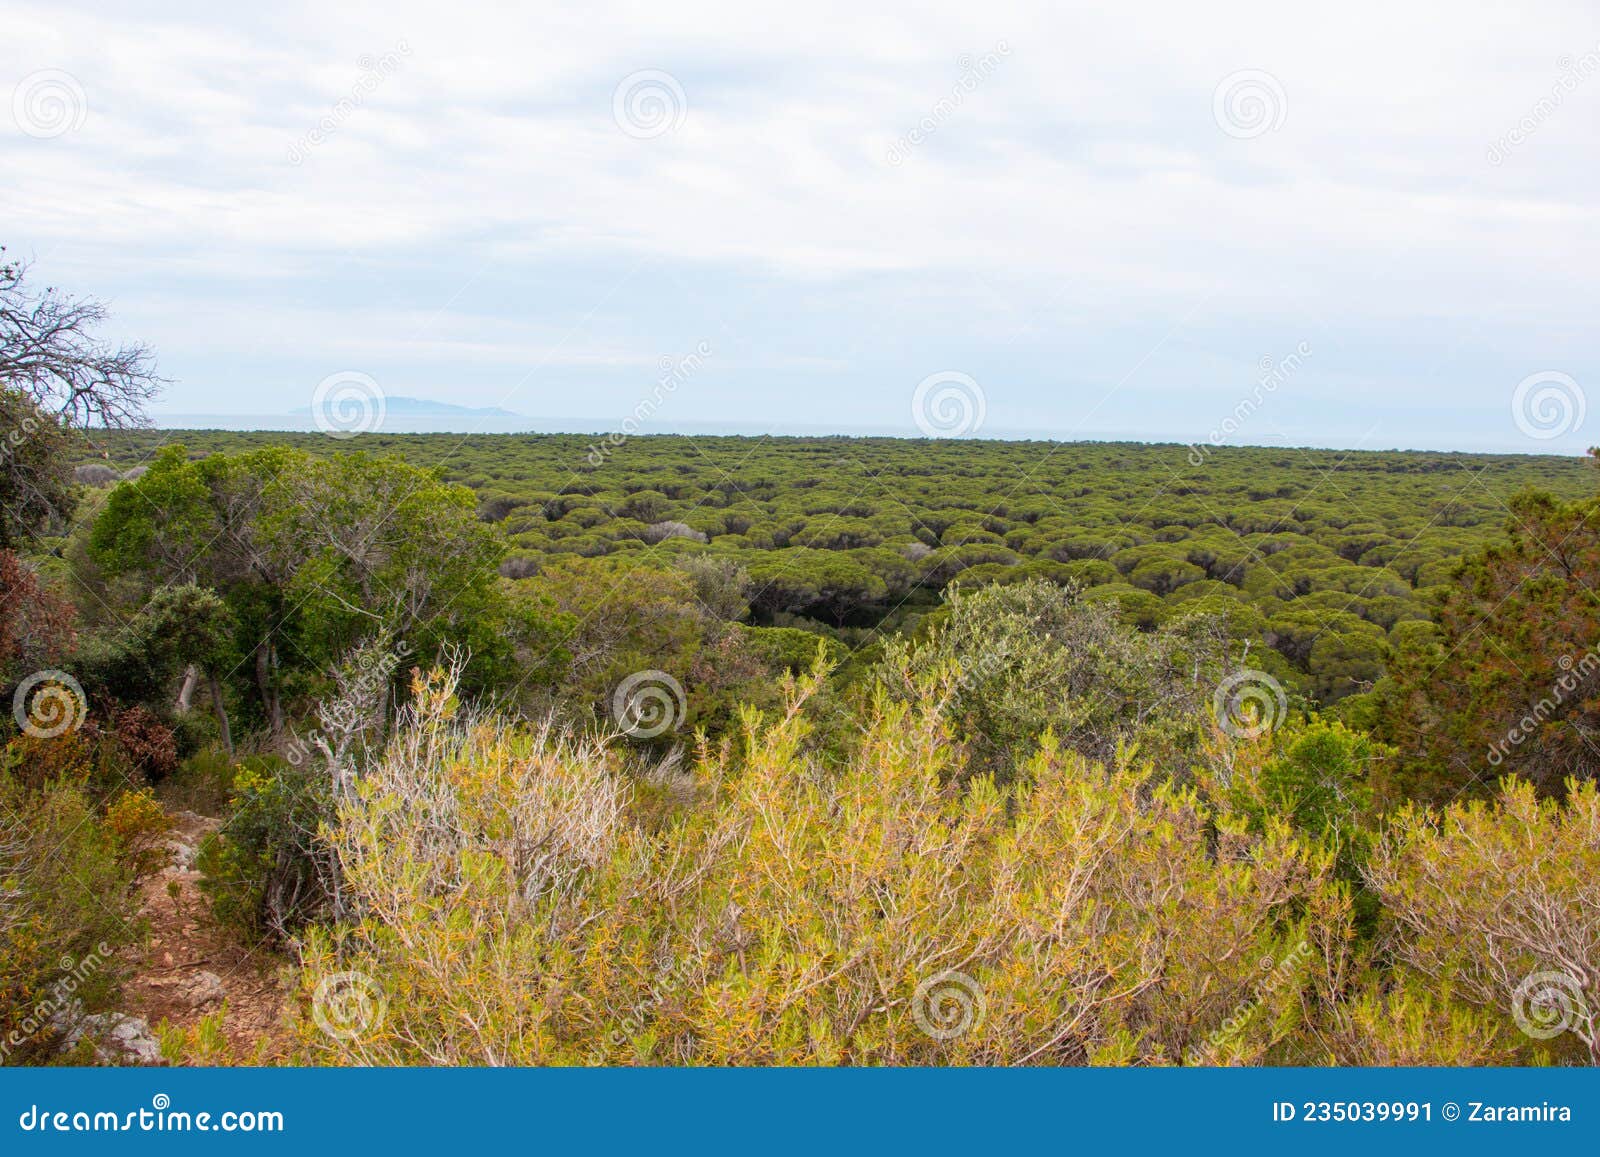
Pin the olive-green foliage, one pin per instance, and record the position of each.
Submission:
(1022, 659)
(1324, 551)
(1493, 903)
(1316, 774)
(36, 452)
(266, 871)
(1318, 777)
(512, 911)
(791, 650)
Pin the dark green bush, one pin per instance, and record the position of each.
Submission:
(266, 871)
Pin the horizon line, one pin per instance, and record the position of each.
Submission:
(582, 427)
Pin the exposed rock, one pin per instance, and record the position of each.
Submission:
(183, 855)
(190, 831)
(133, 1036)
(95, 475)
(191, 989)
(118, 1039)
(205, 988)
(659, 531)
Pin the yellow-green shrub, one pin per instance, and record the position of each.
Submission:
(505, 909)
(64, 910)
(505, 902)
(1495, 904)
(139, 825)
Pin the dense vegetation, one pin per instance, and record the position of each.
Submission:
(1330, 558)
(804, 750)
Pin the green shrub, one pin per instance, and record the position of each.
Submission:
(68, 909)
(1023, 659)
(139, 826)
(265, 870)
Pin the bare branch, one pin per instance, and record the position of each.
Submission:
(49, 351)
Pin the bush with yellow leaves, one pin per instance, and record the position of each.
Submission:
(505, 901)
(140, 826)
(1497, 904)
(504, 908)
(65, 910)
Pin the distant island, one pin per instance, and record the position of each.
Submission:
(428, 408)
(399, 414)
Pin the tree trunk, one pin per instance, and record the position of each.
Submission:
(266, 684)
(221, 709)
(191, 677)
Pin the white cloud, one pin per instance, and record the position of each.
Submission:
(1082, 178)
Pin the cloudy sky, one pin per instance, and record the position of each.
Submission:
(1362, 225)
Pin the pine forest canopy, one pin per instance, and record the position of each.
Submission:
(1329, 558)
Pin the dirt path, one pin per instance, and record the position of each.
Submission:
(192, 964)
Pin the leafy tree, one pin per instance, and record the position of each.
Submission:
(313, 554)
(1508, 683)
(36, 485)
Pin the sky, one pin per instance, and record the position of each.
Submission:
(1356, 225)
